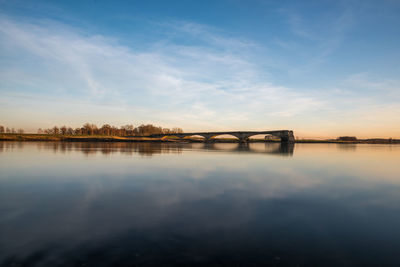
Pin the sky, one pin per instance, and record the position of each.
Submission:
(320, 68)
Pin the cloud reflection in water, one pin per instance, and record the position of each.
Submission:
(106, 204)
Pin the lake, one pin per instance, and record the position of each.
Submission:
(195, 204)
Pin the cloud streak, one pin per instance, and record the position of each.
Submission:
(212, 84)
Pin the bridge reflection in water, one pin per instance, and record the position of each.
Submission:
(284, 149)
(151, 148)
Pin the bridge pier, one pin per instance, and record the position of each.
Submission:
(287, 137)
(243, 137)
(207, 137)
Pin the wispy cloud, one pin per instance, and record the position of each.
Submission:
(208, 34)
(192, 84)
(61, 72)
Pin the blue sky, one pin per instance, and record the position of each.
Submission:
(321, 68)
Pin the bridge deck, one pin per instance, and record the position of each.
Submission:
(229, 132)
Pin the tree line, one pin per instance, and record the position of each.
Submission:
(10, 130)
(108, 130)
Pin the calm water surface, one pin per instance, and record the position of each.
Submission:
(104, 204)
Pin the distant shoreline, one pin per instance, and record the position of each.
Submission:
(88, 138)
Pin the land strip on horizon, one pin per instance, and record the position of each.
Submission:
(103, 138)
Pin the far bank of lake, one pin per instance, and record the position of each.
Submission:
(103, 138)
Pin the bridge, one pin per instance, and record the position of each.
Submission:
(243, 136)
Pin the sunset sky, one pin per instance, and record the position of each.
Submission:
(320, 68)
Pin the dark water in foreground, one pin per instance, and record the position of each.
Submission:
(102, 204)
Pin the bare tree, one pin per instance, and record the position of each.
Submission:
(20, 131)
(78, 131)
(128, 129)
(56, 130)
(40, 131)
(89, 129)
(1, 129)
(177, 130)
(105, 129)
(70, 131)
(63, 130)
